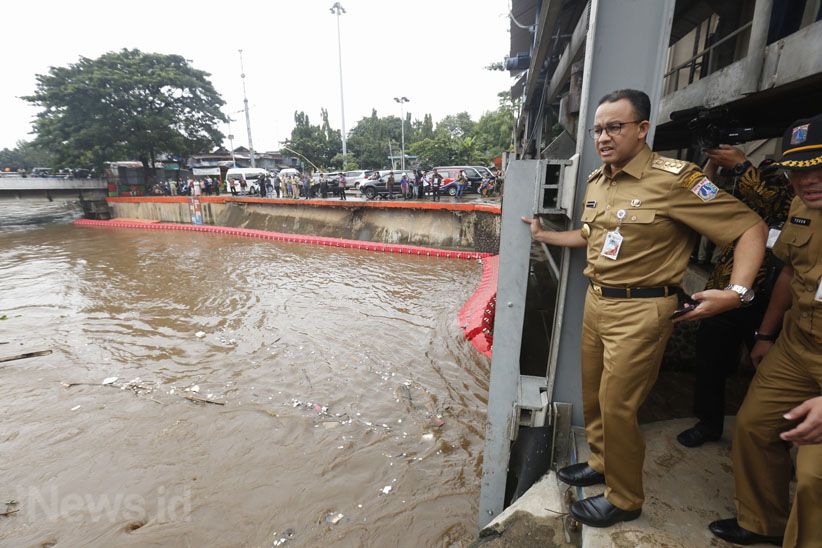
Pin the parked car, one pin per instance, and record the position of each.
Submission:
(484, 171)
(41, 172)
(371, 188)
(333, 183)
(450, 174)
(252, 177)
(354, 178)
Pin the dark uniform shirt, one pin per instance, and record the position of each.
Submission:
(770, 199)
(665, 204)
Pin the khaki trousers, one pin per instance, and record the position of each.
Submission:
(790, 374)
(622, 345)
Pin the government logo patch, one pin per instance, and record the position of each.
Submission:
(799, 134)
(705, 189)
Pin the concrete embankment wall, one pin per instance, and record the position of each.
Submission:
(461, 226)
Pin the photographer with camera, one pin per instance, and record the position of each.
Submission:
(766, 191)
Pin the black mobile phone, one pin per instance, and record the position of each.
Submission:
(686, 306)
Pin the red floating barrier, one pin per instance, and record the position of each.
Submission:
(294, 238)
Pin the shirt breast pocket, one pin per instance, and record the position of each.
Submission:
(793, 237)
(797, 244)
(639, 216)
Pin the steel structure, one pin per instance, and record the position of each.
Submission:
(567, 54)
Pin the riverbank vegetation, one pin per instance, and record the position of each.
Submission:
(130, 105)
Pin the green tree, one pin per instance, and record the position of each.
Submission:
(493, 133)
(348, 161)
(26, 155)
(126, 104)
(439, 150)
(369, 140)
(457, 125)
(318, 143)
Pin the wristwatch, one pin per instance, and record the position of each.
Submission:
(763, 337)
(742, 167)
(745, 295)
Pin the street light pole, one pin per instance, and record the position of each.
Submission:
(247, 117)
(231, 136)
(402, 100)
(337, 10)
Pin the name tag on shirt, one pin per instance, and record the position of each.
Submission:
(801, 221)
(773, 235)
(613, 241)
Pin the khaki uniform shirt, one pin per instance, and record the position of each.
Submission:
(666, 204)
(800, 246)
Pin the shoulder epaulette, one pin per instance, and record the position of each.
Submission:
(669, 164)
(594, 173)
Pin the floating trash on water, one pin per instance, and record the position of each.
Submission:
(385, 490)
(195, 388)
(109, 380)
(437, 421)
(288, 534)
(75, 408)
(333, 518)
(428, 437)
(200, 334)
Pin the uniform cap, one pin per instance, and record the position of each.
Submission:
(802, 145)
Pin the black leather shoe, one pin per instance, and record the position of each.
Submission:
(730, 530)
(598, 512)
(580, 475)
(696, 436)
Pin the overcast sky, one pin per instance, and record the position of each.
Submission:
(431, 51)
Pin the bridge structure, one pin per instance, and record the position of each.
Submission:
(51, 188)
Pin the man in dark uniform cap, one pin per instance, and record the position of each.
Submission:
(642, 216)
(784, 402)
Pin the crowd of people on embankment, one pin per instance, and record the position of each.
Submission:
(415, 184)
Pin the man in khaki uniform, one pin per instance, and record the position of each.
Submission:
(784, 402)
(642, 217)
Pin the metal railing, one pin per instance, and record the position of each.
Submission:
(692, 62)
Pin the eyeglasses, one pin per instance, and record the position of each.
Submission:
(612, 129)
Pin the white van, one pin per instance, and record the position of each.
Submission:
(287, 172)
(252, 176)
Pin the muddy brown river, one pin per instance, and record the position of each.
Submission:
(344, 406)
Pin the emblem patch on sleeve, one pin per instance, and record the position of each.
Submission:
(705, 190)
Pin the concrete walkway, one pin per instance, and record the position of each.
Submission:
(685, 490)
